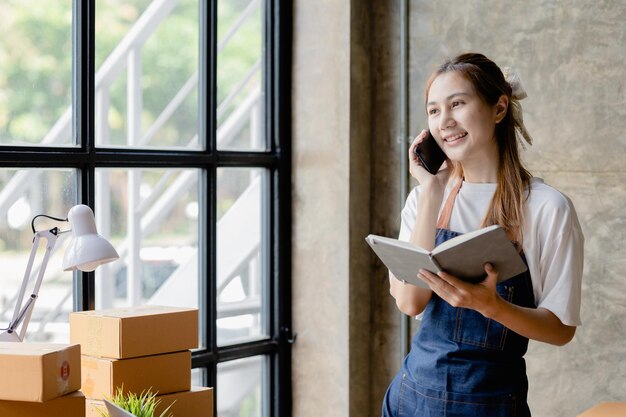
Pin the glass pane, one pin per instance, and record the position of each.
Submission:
(241, 277)
(147, 74)
(151, 217)
(239, 386)
(198, 377)
(25, 194)
(36, 73)
(240, 75)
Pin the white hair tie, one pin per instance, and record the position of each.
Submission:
(517, 93)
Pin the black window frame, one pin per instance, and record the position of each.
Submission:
(86, 157)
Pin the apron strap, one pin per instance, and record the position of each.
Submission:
(443, 222)
(444, 216)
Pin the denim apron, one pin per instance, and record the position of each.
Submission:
(462, 364)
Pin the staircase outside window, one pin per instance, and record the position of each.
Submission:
(183, 172)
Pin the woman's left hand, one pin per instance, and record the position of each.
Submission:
(481, 297)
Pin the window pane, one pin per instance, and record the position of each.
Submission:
(151, 217)
(239, 387)
(147, 74)
(241, 277)
(25, 194)
(239, 75)
(36, 73)
(198, 377)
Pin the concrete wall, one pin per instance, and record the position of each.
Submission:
(571, 58)
(331, 158)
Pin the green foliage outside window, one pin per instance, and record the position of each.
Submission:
(36, 65)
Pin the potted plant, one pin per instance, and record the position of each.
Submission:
(142, 405)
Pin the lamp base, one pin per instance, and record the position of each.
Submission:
(9, 337)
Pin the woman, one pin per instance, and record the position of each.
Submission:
(467, 358)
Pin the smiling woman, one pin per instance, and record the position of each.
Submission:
(468, 357)
(464, 124)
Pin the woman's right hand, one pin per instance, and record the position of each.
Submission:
(435, 182)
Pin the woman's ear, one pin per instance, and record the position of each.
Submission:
(501, 108)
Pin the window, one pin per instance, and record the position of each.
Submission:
(171, 120)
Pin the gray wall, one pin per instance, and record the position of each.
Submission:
(571, 58)
(331, 159)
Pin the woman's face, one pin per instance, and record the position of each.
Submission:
(461, 121)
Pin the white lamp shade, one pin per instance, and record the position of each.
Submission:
(88, 249)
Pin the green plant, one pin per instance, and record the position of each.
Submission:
(142, 405)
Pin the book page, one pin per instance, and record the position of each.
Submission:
(465, 237)
(465, 258)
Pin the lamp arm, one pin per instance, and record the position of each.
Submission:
(29, 267)
(24, 312)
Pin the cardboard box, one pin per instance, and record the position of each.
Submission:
(606, 410)
(38, 371)
(71, 405)
(163, 374)
(197, 402)
(135, 331)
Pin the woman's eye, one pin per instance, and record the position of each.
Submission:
(456, 103)
(432, 111)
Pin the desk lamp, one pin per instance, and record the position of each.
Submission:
(86, 252)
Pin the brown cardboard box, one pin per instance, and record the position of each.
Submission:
(136, 331)
(606, 410)
(198, 402)
(71, 405)
(38, 371)
(170, 372)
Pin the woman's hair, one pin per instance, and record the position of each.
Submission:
(506, 208)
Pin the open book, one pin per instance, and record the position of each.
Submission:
(463, 256)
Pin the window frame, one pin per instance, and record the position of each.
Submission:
(86, 157)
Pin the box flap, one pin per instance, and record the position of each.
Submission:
(138, 311)
(32, 349)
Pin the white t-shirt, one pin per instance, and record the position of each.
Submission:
(553, 242)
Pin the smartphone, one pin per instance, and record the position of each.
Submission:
(430, 154)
